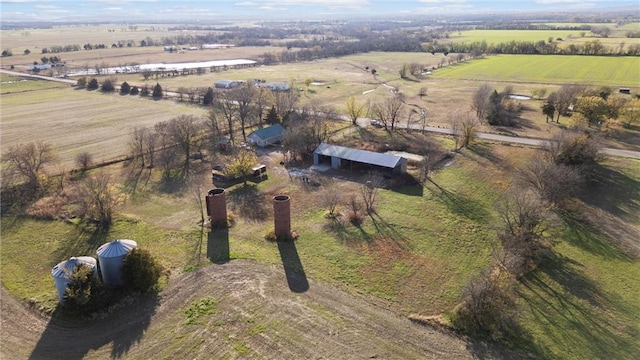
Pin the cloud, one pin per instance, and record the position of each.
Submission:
(559, 1)
(442, 1)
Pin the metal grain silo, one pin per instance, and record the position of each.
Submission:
(62, 272)
(111, 258)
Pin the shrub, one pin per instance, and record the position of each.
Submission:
(85, 292)
(488, 308)
(93, 84)
(145, 91)
(125, 88)
(107, 86)
(82, 82)
(140, 271)
(134, 90)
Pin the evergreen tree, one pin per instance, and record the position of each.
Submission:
(272, 116)
(93, 84)
(125, 88)
(157, 91)
(208, 97)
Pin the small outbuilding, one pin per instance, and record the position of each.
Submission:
(344, 157)
(266, 136)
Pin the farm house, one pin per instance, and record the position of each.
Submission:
(344, 157)
(266, 136)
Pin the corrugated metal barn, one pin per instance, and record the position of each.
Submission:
(349, 158)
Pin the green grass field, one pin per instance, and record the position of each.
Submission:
(568, 36)
(590, 70)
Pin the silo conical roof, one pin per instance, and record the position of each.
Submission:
(116, 248)
(65, 268)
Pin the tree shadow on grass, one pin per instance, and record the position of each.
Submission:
(461, 204)
(388, 230)
(84, 240)
(72, 338)
(136, 178)
(218, 246)
(293, 269)
(590, 238)
(485, 151)
(345, 232)
(248, 203)
(613, 192)
(563, 302)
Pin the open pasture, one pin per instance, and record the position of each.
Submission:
(558, 69)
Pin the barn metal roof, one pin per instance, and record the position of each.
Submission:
(115, 248)
(65, 268)
(269, 132)
(362, 156)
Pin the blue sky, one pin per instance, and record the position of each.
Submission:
(164, 10)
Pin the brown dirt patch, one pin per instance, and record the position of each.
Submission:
(255, 315)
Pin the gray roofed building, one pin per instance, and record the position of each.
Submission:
(340, 156)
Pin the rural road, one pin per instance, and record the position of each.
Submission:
(367, 122)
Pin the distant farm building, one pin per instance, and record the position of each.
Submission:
(355, 159)
(228, 84)
(216, 46)
(267, 136)
(624, 91)
(283, 86)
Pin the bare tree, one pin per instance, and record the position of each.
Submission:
(354, 206)
(99, 197)
(84, 160)
(285, 102)
(185, 131)
(573, 148)
(480, 101)
(565, 97)
(369, 190)
(355, 110)
(330, 197)
(488, 305)
(465, 128)
(136, 145)
(243, 97)
(389, 112)
(226, 109)
(196, 187)
(552, 182)
(27, 161)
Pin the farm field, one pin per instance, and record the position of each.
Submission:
(588, 70)
(76, 121)
(567, 36)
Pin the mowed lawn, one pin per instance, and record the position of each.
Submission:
(589, 70)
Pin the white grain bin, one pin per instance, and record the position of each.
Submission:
(111, 258)
(62, 272)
